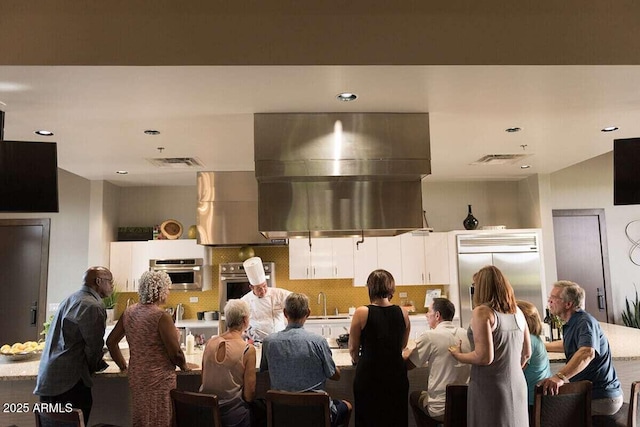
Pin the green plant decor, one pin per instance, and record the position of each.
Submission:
(631, 315)
(45, 326)
(111, 300)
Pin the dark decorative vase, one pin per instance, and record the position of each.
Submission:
(470, 222)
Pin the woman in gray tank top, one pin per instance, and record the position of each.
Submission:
(500, 347)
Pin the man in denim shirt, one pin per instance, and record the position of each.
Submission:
(587, 350)
(299, 360)
(73, 350)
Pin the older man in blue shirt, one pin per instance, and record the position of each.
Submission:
(299, 360)
(73, 350)
(587, 350)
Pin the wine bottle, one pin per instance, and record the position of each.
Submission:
(548, 326)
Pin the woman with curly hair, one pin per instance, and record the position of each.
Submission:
(154, 351)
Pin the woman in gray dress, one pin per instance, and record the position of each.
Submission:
(500, 346)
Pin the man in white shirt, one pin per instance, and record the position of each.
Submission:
(267, 304)
(432, 348)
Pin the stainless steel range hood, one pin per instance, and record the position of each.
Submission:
(340, 174)
(228, 210)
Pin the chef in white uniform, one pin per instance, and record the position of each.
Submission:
(267, 304)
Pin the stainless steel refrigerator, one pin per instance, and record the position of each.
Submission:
(516, 254)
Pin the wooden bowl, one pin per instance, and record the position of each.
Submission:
(171, 229)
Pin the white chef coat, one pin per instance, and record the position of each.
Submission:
(267, 313)
(432, 347)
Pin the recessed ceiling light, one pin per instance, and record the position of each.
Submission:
(525, 166)
(347, 96)
(122, 172)
(513, 129)
(609, 129)
(152, 132)
(43, 133)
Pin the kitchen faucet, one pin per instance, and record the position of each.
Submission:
(322, 296)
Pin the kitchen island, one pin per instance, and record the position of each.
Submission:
(111, 392)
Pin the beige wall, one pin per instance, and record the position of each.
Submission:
(589, 185)
(493, 203)
(69, 244)
(149, 206)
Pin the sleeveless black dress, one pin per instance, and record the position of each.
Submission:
(381, 386)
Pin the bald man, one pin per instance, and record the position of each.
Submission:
(73, 349)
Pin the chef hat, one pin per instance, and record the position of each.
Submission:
(255, 270)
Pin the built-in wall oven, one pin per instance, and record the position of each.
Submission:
(185, 273)
(234, 283)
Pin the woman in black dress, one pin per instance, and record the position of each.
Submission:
(379, 332)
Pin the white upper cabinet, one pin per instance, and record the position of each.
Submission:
(375, 253)
(128, 260)
(390, 256)
(436, 251)
(175, 249)
(425, 259)
(365, 259)
(326, 258)
(413, 265)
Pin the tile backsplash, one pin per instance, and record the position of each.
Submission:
(341, 293)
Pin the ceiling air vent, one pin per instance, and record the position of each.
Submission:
(176, 162)
(500, 159)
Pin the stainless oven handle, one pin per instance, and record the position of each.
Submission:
(240, 277)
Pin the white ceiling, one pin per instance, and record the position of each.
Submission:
(99, 113)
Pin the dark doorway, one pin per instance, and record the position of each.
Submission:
(582, 256)
(24, 257)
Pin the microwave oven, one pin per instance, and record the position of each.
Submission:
(185, 273)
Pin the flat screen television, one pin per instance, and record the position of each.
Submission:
(626, 171)
(28, 176)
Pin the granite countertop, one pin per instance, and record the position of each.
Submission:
(624, 342)
(28, 369)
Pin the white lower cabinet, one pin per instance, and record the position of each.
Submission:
(418, 325)
(328, 328)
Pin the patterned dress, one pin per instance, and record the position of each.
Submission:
(381, 386)
(151, 374)
(498, 392)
